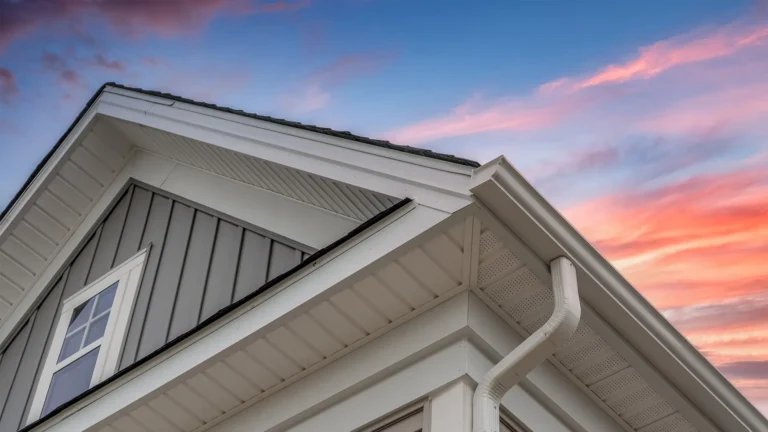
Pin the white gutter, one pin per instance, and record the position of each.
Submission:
(534, 350)
(702, 394)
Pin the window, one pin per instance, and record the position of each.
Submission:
(88, 337)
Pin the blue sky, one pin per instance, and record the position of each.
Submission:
(646, 123)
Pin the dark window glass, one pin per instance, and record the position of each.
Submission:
(70, 381)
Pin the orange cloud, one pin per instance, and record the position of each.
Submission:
(700, 240)
(661, 56)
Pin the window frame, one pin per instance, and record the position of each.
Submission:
(128, 276)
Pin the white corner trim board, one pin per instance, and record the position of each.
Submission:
(534, 349)
(511, 199)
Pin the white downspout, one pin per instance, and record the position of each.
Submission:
(534, 350)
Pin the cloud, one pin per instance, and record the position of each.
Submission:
(566, 98)
(478, 116)
(99, 60)
(154, 61)
(71, 78)
(664, 55)
(724, 108)
(698, 240)
(314, 92)
(53, 62)
(746, 369)
(128, 17)
(9, 89)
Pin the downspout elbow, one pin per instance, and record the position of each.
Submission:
(534, 350)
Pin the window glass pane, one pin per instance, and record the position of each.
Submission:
(71, 344)
(70, 381)
(96, 329)
(106, 298)
(81, 314)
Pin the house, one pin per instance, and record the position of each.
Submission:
(177, 266)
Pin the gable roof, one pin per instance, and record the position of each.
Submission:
(312, 128)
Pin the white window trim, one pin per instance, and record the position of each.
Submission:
(128, 276)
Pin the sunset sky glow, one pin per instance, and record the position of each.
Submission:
(645, 123)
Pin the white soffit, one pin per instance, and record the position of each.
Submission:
(337, 197)
(46, 221)
(380, 297)
(526, 302)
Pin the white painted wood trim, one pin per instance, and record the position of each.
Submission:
(287, 130)
(127, 275)
(443, 190)
(451, 407)
(42, 178)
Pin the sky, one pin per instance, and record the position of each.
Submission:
(645, 123)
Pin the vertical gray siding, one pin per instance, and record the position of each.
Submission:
(198, 264)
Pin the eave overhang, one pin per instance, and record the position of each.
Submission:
(613, 307)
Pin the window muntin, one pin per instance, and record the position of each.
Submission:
(88, 337)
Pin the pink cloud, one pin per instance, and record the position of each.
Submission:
(724, 108)
(472, 118)
(314, 92)
(9, 89)
(566, 97)
(664, 55)
(128, 17)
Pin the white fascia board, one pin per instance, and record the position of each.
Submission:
(314, 136)
(437, 188)
(392, 235)
(707, 397)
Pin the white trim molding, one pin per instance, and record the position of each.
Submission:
(121, 284)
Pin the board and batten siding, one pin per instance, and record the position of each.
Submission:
(199, 262)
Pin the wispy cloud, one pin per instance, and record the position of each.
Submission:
(315, 92)
(9, 89)
(478, 116)
(694, 241)
(99, 60)
(661, 56)
(555, 102)
(128, 17)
